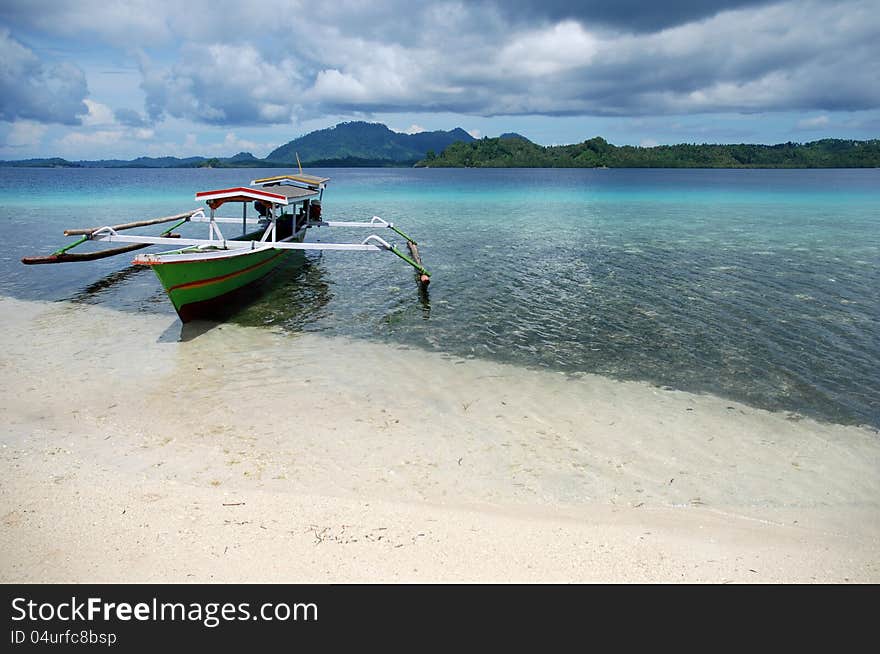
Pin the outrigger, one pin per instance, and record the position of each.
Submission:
(200, 276)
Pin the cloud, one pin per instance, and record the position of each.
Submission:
(107, 141)
(551, 51)
(130, 117)
(627, 15)
(797, 55)
(32, 90)
(25, 133)
(232, 144)
(119, 23)
(412, 129)
(75, 141)
(98, 114)
(250, 63)
(817, 122)
(393, 77)
(222, 85)
(190, 146)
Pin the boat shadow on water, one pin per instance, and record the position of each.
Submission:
(292, 297)
(100, 291)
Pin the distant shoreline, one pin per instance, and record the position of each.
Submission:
(519, 152)
(7, 164)
(330, 163)
(516, 151)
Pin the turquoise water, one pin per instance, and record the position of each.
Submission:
(757, 285)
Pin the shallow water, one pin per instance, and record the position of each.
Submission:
(758, 285)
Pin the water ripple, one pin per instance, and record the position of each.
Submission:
(760, 286)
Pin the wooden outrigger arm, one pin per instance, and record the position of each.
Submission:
(63, 256)
(416, 261)
(110, 233)
(140, 223)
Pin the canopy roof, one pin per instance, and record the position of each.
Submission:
(281, 195)
(301, 178)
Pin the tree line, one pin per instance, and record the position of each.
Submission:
(596, 152)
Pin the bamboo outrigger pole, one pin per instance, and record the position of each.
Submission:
(424, 275)
(139, 223)
(416, 260)
(63, 256)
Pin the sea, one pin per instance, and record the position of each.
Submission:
(762, 286)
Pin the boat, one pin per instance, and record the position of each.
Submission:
(201, 275)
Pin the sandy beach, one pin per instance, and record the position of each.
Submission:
(135, 452)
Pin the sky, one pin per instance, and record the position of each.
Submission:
(92, 79)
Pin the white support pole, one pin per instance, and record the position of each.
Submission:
(226, 220)
(270, 229)
(364, 246)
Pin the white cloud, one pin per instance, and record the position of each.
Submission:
(549, 51)
(191, 146)
(333, 86)
(648, 143)
(412, 129)
(475, 133)
(98, 114)
(232, 144)
(73, 141)
(817, 122)
(109, 142)
(25, 133)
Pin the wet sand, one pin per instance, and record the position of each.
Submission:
(240, 454)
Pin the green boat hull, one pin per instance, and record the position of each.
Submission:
(208, 287)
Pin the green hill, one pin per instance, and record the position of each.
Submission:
(373, 144)
(597, 152)
(54, 162)
(365, 141)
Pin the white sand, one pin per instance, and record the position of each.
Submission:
(247, 455)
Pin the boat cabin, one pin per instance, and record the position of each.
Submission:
(286, 206)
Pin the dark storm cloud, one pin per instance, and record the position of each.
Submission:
(547, 58)
(251, 62)
(628, 15)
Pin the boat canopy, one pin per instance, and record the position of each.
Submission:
(280, 195)
(308, 180)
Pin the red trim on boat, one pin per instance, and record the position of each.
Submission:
(214, 280)
(241, 189)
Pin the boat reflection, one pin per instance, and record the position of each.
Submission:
(291, 297)
(425, 301)
(107, 282)
(125, 289)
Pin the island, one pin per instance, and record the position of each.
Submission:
(515, 151)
